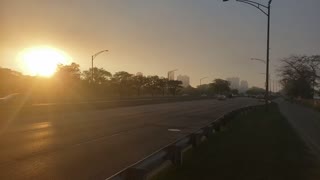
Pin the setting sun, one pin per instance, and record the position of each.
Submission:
(42, 61)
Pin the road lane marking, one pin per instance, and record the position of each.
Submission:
(174, 130)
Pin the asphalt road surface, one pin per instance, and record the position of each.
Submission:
(97, 144)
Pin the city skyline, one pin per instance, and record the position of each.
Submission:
(154, 37)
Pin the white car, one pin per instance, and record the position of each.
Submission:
(221, 97)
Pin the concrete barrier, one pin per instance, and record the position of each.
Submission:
(208, 131)
(176, 150)
(196, 138)
(142, 170)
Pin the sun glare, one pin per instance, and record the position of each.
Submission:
(42, 61)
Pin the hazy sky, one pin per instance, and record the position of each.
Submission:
(198, 37)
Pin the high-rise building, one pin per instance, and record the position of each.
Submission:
(171, 75)
(234, 82)
(244, 86)
(185, 80)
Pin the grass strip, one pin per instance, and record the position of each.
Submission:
(259, 145)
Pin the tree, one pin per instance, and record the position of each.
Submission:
(11, 82)
(64, 85)
(189, 90)
(235, 91)
(300, 75)
(174, 86)
(255, 91)
(220, 86)
(68, 72)
(152, 84)
(162, 83)
(100, 75)
(123, 81)
(203, 88)
(138, 83)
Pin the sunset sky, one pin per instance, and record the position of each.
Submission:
(198, 37)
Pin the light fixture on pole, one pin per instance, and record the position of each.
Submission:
(260, 60)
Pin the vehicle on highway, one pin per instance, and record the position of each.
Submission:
(221, 97)
(260, 97)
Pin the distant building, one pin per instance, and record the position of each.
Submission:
(185, 80)
(139, 74)
(244, 86)
(234, 82)
(171, 75)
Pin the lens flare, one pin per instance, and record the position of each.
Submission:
(42, 61)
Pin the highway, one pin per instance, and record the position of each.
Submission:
(96, 144)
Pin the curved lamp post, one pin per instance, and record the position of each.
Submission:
(202, 79)
(265, 9)
(92, 58)
(260, 60)
(201, 82)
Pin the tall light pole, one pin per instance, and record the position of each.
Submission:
(201, 83)
(270, 82)
(202, 79)
(92, 58)
(265, 9)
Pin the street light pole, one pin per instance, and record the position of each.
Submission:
(202, 79)
(201, 83)
(268, 54)
(265, 9)
(92, 58)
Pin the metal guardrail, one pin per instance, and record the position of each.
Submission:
(173, 152)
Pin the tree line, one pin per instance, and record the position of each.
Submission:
(299, 79)
(69, 83)
(300, 76)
